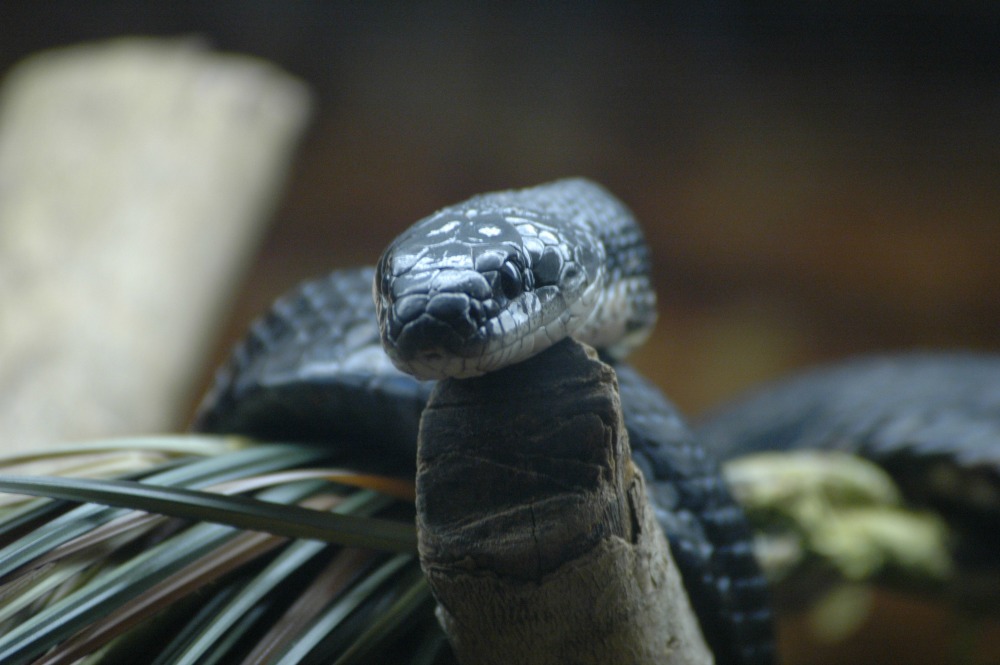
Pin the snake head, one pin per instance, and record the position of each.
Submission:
(472, 289)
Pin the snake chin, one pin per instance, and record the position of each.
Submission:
(438, 366)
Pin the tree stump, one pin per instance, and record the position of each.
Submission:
(535, 530)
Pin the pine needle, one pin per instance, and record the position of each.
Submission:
(238, 511)
(209, 550)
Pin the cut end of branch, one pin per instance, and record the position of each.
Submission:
(535, 529)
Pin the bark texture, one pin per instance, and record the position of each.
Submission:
(535, 529)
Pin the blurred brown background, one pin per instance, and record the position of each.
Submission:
(816, 179)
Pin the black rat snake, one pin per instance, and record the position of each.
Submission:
(472, 288)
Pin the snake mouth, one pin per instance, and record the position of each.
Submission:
(437, 327)
(431, 339)
(437, 361)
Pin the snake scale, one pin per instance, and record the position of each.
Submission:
(931, 420)
(472, 288)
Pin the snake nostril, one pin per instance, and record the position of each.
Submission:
(476, 313)
(426, 337)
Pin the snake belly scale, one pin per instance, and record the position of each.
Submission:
(468, 290)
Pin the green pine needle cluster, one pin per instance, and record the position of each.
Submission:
(208, 550)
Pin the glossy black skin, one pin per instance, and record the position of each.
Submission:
(709, 537)
(464, 283)
(932, 420)
(495, 279)
(293, 378)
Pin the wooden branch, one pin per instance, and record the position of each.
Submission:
(135, 177)
(535, 530)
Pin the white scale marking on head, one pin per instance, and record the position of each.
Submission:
(489, 231)
(450, 260)
(444, 228)
(455, 260)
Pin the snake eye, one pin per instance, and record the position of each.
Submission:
(511, 282)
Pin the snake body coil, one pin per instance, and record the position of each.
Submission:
(470, 289)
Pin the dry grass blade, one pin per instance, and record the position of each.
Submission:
(394, 487)
(90, 584)
(119, 585)
(47, 628)
(416, 593)
(229, 556)
(293, 558)
(182, 445)
(33, 589)
(343, 570)
(19, 551)
(238, 511)
(331, 618)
